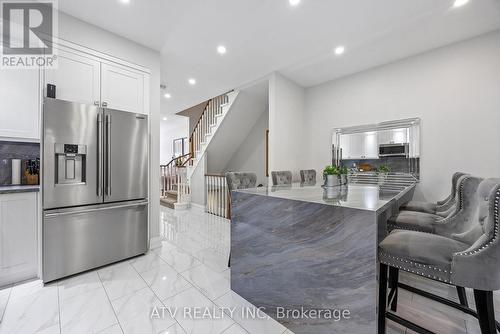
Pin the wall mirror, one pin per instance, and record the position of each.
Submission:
(392, 144)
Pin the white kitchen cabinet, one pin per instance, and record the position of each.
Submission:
(18, 237)
(370, 145)
(123, 89)
(19, 104)
(394, 136)
(77, 77)
(360, 145)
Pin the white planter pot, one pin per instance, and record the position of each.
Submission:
(382, 178)
(332, 181)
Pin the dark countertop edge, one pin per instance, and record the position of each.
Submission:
(10, 189)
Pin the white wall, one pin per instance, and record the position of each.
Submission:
(287, 136)
(174, 127)
(90, 36)
(198, 182)
(455, 90)
(251, 154)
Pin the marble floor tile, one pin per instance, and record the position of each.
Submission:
(4, 298)
(257, 325)
(191, 301)
(87, 312)
(215, 259)
(79, 284)
(237, 329)
(115, 329)
(177, 258)
(211, 283)
(146, 262)
(56, 329)
(30, 288)
(426, 318)
(120, 280)
(134, 313)
(165, 281)
(175, 329)
(31, 313)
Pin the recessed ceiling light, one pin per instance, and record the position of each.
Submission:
(460, 3)
(339, 50)
(294, 2)
(221, 49)
(192, 81)
(164, 118)
(167, 95)
(125, 1)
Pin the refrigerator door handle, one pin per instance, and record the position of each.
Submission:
(99, 155)
(108, 154)
(70, 212)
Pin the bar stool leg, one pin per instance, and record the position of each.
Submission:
(393, 284)
(462, 296)
(485, 311)
(382, 297)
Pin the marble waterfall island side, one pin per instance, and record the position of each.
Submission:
(309, 257)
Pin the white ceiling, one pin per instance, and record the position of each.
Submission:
(263, 36)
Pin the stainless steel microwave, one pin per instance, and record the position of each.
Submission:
(394, 150)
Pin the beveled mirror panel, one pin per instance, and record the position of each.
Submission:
(392, 147)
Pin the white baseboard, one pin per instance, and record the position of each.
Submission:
(197, 206)
(155, 242)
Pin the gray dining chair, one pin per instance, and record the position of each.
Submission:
(241, 180)
(440, 208)
(308, 176)
(466, 188)
(467, 255)
(281, 178)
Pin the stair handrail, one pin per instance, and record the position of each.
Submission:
(206, 118)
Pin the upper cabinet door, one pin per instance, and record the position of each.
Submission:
(19, 103)
(77, 77)
(124, 89)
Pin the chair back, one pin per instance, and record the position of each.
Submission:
(308, 176)
(281, 178)
(242, 180)
(478, 267)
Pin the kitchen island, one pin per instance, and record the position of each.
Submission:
(308, 255)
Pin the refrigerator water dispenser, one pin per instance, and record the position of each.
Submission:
(70, 164)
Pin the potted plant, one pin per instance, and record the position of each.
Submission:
(383, 171)
(332, 176)
(343, 175)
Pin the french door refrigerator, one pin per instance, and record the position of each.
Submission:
(95, 187)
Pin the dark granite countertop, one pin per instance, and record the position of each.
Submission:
(358, 196)
(8, 189)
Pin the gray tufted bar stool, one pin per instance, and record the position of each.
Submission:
(465, 203)
(242, 180)
(308, 176)
(441, 208)
(281, 178)
(467, 255)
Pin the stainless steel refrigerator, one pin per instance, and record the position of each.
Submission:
(95, 187)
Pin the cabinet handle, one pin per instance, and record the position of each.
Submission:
(96, 103)
(105, 104)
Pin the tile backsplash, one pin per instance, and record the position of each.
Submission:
(15, 150)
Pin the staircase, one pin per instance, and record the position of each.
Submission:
(169, 199)
(212, 117)
(174, 192)
(176, 175)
